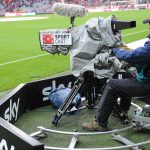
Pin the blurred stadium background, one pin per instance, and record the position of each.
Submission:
(44, 6)
(21, 59)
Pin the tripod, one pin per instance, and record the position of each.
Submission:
(90, 87)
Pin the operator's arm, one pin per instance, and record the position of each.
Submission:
(138, 55)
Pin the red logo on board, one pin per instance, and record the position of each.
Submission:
(48, 38)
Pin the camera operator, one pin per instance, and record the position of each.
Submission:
(123, 88)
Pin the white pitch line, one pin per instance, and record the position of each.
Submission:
(134, 33)
(21, 19)
(19, 60)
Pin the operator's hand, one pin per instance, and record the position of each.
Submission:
(121, 48)
(124, 47)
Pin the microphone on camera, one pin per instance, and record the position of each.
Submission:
(70, 10)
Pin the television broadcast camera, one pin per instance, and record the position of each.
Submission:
(90, 48)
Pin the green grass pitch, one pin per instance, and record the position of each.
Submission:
(20, 40)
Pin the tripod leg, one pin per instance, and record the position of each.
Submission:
(123, 117)
(63, 108)
(91, 89)
(56, 118)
